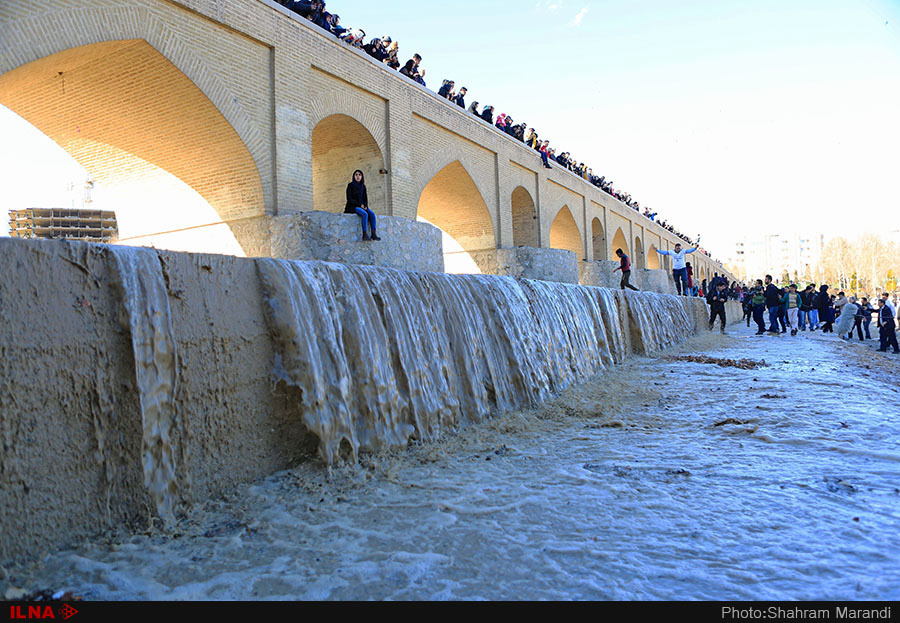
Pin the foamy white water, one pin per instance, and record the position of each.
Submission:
(624, 488)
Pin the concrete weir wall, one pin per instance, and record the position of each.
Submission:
(74, 446)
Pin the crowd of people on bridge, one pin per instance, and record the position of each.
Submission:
(386, 50)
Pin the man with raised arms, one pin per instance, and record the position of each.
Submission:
(679, 270)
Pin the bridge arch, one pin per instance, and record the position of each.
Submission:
(340, 145)
(620, 242)
(598, 239)
(145, 132)
(452, 202)
(50, 33)
(653, 258)
(638, 259)
(564, 233)
(524, 218)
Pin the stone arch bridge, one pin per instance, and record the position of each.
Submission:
(265, 116)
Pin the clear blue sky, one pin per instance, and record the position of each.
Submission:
(721, 115)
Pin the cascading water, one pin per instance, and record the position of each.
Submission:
(381, 355)
(148, 318)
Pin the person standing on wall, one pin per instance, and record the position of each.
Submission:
(679, 269)
(358, 203)
(625, 267)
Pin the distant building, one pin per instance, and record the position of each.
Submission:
(774, 254)
(64, 223)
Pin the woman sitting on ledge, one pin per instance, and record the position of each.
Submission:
(358, 203)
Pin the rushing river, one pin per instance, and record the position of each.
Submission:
(635, 486)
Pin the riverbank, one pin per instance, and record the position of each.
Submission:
(665, 479)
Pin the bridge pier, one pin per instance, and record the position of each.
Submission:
(529, 263)
(405, 244)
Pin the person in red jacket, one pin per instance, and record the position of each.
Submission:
(625, 267)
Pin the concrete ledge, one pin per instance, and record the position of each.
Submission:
(405, 244)
(656, 280)
(529, 263)
(602, 274)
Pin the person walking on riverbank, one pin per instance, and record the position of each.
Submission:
(679, 269)
(773, 302)
(865, 316)
(716, 302)
(886, 328)
(792, 302)
(758, 301)
(822, 303)
(846, 319)
(625, 267)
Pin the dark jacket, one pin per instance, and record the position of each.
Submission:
(773, 296)
(717, 299)
(374, 50)
(444, 91)
(822, 303)
(356, 197)
(488, 115)
(807, 298)
(460, 100)
(303, 8)
(409, 70)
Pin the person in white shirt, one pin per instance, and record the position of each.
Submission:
(679, 270)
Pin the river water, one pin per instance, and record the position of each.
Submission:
(632, 486)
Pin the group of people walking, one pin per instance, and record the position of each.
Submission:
(815, 309)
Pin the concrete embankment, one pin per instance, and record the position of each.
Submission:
(136, 382)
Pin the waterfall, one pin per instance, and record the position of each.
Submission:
(147, 317)
(380, 356)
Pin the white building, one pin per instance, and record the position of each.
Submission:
(757, 255)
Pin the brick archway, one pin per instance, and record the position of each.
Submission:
(653, 258)
(128, 115)
(564, 233)
(37, 37)
(620, 242)
(452, 202)
(524, 218)
(598, 240)
(638, 259)
(340, 145)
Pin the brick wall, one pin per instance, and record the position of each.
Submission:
(212, 75)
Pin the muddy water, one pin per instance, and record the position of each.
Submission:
(380, 356)
(625, 488)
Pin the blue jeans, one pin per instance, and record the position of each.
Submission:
(366, 216)
(773, 320)
(802, 319)
(681, 280)
(758, 317)
(813, 319)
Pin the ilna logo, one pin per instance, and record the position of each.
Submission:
(41, 612)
